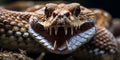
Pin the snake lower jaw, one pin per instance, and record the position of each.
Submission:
(62, 40)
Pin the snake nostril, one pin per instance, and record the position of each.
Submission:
(67, 14)
(60, 16)
(55, 14)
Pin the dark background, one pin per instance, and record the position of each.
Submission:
(112, 6)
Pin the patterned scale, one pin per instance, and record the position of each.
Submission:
(13, 56)
(102, 43)
(14, 35)
(14, 31)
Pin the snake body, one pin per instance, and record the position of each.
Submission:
(14, 31)
(42, 30)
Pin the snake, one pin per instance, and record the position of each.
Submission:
(55, 28)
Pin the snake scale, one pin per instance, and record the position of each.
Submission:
(55, 28)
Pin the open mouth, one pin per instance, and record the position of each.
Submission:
(63, 39)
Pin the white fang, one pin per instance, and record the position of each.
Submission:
(56, 30)
(54, 45)
(65, 29)
(50, 31)
(71, 30)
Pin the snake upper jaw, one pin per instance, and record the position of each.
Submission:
(63, 30)
(62, 40)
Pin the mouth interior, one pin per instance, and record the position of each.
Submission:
(58, 36)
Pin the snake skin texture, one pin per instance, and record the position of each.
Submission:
(18, 30)
(104, 42)
(14, 31)
(13, 56)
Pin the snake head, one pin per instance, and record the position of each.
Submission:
(62, 28)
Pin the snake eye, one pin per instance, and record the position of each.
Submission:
(77, 11)
(47, 12)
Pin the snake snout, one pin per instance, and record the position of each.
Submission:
(60, 17)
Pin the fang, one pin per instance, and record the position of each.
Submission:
(65, 29)
(56, 30)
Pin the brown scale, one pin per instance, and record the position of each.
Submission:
(34, 8)
(20, 24)
(23, 30)
(103, 40)
(13, 56)
(10, 23)
(16, 20)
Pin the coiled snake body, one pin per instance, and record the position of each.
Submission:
(56, 28)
